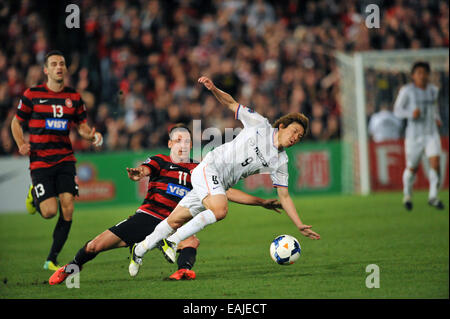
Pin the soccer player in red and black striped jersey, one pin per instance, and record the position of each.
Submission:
(169, 182)
(49, 111)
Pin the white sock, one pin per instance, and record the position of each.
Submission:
(408, 182)
(434, 183)
(192, 227)
(160, 232)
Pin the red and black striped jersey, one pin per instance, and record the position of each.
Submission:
(169, 182)
(49, 116)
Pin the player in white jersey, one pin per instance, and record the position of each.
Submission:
(418, 103)
(259, 148)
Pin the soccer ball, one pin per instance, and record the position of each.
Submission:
(285, 250)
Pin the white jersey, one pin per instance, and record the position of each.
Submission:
(251, 152)
(410, 98)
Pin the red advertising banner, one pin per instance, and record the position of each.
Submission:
(387, 163)
(314, 169)
(90, 188)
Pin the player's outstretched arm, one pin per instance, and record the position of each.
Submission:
(291, 211)
(17, 132)
(90, 134)
(241, 197)
(223, 97)
(135, 174)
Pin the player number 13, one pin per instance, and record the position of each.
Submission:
(57, 110)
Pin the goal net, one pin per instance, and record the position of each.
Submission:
(368, 80)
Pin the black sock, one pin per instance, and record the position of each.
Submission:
(186, 258)
(83, 256)
(60, 234)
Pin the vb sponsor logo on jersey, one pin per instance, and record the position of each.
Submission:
(177, 190)
(56, 124)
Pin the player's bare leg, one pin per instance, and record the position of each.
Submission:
(217, 205)
(49, 207)
(216, 209)
(433, 176)
(105, 241)
(66, 200)
(176, 219)
(178, 216)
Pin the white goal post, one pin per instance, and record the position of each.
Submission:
(356, 90)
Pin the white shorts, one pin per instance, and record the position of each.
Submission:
(205, 181)
(414, 148)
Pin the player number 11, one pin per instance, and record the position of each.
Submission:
(180, 177)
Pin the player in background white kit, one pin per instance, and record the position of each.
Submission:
(418, 103)
(384, 125)
(258, 148)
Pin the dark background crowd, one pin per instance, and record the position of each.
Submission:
(136, 63)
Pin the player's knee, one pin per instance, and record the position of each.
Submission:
(67, 210)
(93, 247)
(175, 223)
(48, 211)
(220, 212)
(178, 217)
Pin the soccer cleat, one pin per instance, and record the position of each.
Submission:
(135, 262)
(29, 202)
(58, 276)
(49, 265)
(407, 203)
(177, 275)
(168, 249)
(436, 203)
(189, 274)
(186, 274)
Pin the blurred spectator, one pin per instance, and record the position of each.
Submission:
(384, 125)
(138, 66)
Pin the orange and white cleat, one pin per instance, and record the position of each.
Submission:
(58, 276)
(177, 275)
(183, 274)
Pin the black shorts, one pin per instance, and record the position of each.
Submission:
(52, 181)
(135, 228)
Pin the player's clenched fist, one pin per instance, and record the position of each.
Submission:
(416, 114)
(24, 149)
(206, 82)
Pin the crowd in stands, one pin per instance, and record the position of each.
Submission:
(136, 63)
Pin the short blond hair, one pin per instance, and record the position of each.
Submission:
(179, 126)
(287, 119)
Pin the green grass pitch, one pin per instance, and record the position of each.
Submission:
(411, 250)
